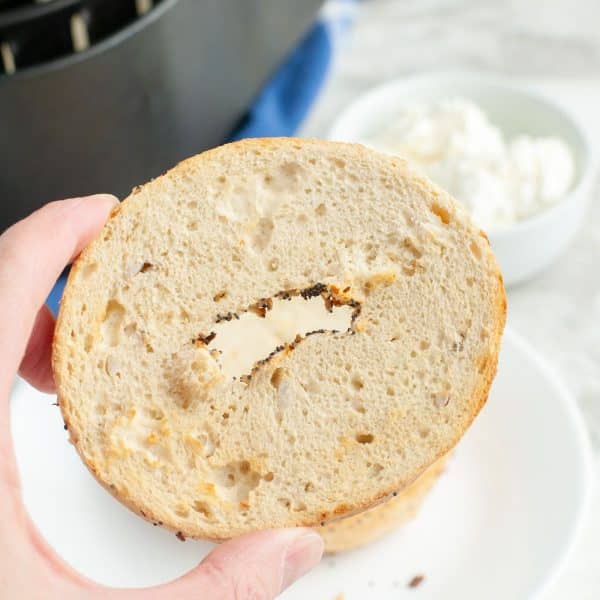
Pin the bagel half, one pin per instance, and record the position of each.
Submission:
(328, 423)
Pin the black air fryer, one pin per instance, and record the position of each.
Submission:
(101, 95)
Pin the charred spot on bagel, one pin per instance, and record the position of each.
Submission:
(226, 317)
(317, 331)
(315, 290)
(286, 294)
(261, 307)
(204, 340)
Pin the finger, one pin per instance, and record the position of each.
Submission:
(33, 253)
(36, 365)
(257, 565)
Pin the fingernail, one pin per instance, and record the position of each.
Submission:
(74, 203)
(303, 554)
(113, 199)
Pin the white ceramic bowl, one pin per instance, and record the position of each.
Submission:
(525, 248)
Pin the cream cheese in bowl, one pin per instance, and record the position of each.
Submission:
(500, 181)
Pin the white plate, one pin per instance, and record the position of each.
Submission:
(498, 525)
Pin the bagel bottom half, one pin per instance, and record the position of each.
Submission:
(370, 525)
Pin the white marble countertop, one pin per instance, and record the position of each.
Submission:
(553, 45)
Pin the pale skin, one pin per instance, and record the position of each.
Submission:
(33, 253)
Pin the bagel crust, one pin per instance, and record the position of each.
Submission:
(327, 424)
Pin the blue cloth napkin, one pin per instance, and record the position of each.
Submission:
(56, 294)
(284, 102)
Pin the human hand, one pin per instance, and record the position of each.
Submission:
(33, 253)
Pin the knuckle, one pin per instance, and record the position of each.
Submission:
(252, 587)
(217, 579)
(236, 585)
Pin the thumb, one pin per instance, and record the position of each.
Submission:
(257, 565)
(33, 252)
